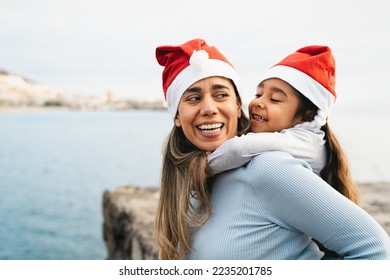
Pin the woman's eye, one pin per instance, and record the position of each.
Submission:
(221, 95)
(193, 98)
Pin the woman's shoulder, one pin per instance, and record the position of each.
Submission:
(276, 169)
(274, 159)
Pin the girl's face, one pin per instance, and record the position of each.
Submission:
(208, 113)
(274, 107)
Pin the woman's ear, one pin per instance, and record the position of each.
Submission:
(239, 110)
(177, 121)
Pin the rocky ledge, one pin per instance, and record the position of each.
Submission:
(129, 213)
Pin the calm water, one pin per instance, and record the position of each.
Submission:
(55, 166)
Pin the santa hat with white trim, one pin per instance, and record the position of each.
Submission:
(311, 71)
(188, 63)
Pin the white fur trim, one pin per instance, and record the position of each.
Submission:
(194, 73)
(309, 87)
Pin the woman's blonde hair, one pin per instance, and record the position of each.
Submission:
(184, 202)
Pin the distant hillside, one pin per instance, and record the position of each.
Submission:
(3, 72)
(17, 91)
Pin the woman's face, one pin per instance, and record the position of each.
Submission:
(274, 107)
(208, 113)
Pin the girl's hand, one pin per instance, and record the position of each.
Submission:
(208, 169)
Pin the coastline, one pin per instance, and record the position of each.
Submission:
(21, 109)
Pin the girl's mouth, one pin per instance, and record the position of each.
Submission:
(259, 118)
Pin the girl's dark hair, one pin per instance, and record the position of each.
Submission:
(336, 171)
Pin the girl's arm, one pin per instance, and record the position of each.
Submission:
(235, 152)
(295, 198)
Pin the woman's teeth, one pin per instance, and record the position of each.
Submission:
(210, 128)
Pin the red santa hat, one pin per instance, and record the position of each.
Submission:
(311, 71)
(188, 63)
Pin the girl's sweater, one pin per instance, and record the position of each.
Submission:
(300, 141)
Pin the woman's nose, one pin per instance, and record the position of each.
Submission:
(209, 106)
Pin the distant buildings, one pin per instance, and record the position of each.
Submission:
(16, 91)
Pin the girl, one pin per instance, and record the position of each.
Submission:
(290, 121)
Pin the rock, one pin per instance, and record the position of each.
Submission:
(129, 213)
(128, 227)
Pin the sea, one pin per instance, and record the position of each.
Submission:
(55, 166)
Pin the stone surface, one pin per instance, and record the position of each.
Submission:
(129, 218)
(128, 227)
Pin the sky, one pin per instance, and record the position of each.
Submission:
(90, 47)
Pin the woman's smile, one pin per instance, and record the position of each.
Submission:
(211, 128)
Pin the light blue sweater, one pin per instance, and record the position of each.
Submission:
(272, 207)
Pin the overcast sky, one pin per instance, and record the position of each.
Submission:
(90, 46)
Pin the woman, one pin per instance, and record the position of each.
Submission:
(207, 84)
(270, 208)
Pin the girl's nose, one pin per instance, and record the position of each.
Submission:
(259, 103)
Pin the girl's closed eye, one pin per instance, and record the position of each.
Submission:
(278, 97)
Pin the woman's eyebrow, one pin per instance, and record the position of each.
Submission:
(219, 86)
(213, 87)
(193, 89)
